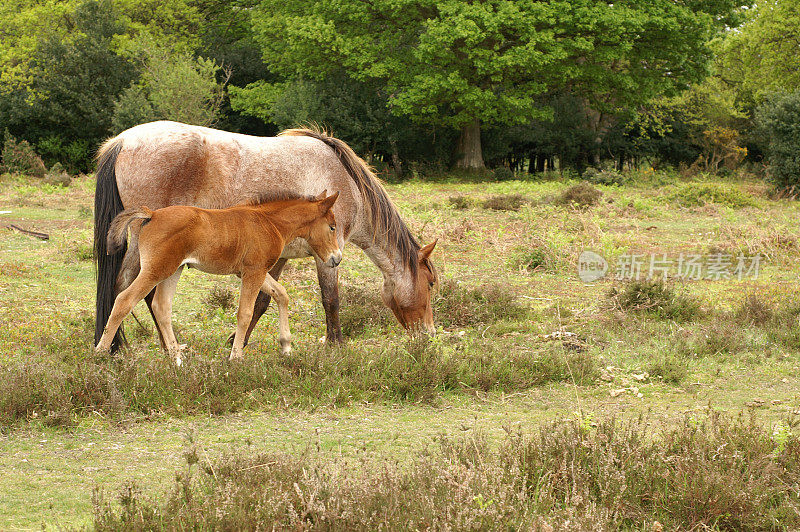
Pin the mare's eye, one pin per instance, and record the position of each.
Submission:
(430, 284)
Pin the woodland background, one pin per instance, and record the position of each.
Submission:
(418, 87)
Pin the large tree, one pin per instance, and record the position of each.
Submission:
(467, 64)
(761, 57)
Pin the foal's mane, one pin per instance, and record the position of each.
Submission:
(386, 221)
(278, 195)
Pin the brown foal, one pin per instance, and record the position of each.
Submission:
(246, 240)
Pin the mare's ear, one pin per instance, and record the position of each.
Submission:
(425, 252)
(321, 195)
(326, 204)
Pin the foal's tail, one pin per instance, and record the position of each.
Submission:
(118, 232)
(107, 204)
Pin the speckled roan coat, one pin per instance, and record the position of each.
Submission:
(168, 163)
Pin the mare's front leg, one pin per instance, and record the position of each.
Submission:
(278, 292)
(251, 284)
(329, 287)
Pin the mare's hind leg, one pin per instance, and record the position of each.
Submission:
(124, 303)
(329, 287)
(278, 292)
(262, 303)
(162, 313)
(251, 283)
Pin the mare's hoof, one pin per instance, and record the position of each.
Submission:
(230, 340)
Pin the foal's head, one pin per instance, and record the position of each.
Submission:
(322, 231)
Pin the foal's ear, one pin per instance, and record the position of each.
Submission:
(425, 252)
(326, 204)
(321, 195)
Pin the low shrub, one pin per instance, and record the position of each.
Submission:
(58, 386)
(56, 175)
(505, 202)
(459, 202)
(531, 259)
(668, 368)
(700, 194)
(604, 177)
(503, 173)
(708, 474)
(362, 309)
(221, 297)
(18, 157)
(459, 306)
(777, 120)
(654, 297)
(583, 195)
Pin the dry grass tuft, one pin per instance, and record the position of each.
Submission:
(717, 473)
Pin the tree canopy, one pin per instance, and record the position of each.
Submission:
(415, 85)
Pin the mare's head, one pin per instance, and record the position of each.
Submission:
(321, 234)
(410, 299)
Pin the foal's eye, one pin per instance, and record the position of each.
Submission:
(333, 228)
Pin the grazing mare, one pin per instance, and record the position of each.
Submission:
(246, 240)
(167, 163)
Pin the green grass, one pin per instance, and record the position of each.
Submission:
(509, 283)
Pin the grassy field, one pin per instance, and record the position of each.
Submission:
(523, 343)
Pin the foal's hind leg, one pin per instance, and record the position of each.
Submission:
(162, 313)
(124, 303)
(278, 292)
(128, 272)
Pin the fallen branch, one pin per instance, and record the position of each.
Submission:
(35, 234)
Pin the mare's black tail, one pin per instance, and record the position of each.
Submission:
(107, 204)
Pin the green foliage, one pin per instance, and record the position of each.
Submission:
(452, 63)
(173, 86)
(19, 157)
(761, 58)
(779, 121)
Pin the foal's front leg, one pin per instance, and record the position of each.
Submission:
(251, 284)
(280, 296)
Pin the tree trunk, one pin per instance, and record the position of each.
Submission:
(469, 153)
(397, 164)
